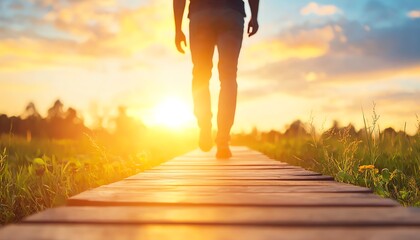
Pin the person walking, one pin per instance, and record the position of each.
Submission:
(214, 23)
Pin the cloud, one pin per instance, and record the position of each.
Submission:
(380, 11)
(298, 43)
(109, 25)
(414, 14)
(321, 10)
(82, 32)
(351, 54)
(84, 19)
(28, 53)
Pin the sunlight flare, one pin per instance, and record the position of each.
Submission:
(172, 112)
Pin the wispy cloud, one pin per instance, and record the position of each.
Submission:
(295, 43)
(89, 30)
(349, 53)
(414, 14)
(318, 9)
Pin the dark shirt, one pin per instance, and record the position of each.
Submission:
(198, 5)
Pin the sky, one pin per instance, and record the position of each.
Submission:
(317, 61)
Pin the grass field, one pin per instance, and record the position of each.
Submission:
(43, 173)
(386, 161)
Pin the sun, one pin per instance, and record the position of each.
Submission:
(172, 113)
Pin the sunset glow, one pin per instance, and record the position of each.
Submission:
(327, 59)
(172, 113)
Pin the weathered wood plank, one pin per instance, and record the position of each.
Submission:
(279, 171)
(222, 167)
(252, 216)
(224, 163)
(250, 155)
(237, 189)
(122, 198)
(182, 232)
(233, 159)
(215, 182)
(231, 173)
(198, 177)
(237, 150)
(205, 158)
(211, 156)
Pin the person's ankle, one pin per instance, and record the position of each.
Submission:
(223, 151)
(205, 141)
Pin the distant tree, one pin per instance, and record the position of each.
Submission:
(16, 126)
(73, 126)
(32, 123)
(297, 128)
(71, 116)
(56, 111)
(351, 130)
(57, 124)
(272, 136)
(31, 112)
(336, 130)
(4, 124)
(389, 132)
(64, 124)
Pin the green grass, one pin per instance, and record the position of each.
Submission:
(44, 173)
(387, 163)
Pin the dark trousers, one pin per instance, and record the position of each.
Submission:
(210, 28)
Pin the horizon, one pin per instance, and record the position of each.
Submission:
(109, 124)
(311, 60)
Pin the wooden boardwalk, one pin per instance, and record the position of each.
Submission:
(247, 197)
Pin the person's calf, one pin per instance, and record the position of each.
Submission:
(205, 141)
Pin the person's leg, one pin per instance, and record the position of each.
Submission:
(229, 42)
(202, 44)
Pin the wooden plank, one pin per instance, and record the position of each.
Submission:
(245, 157)
(215, 182)
(252, 216)
(241, 155)
(228, 167)
(122, 198)
(224, 163)
(233, 159)
(236, 155)
(196, 177)
(256, 159)
(232, 173)
(237, 150)
(182, 232)
(279, 171)
(237, 189)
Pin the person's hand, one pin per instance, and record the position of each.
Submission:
(253, 27)
(179, 39)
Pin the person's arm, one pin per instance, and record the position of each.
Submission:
(179, 7)
(253, 23)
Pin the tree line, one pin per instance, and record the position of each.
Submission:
(60, 123)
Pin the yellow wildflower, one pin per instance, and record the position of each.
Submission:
(366, 167)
